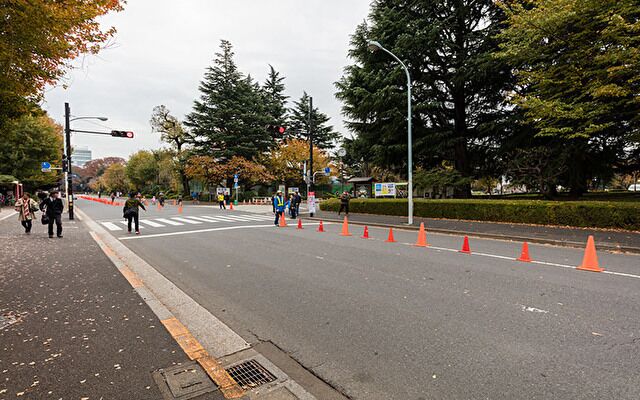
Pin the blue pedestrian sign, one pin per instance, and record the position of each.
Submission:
(46, 165)
(327, 170)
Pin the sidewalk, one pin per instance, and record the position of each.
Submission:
(71, 326)
(560, 236)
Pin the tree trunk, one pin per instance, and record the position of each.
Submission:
(460, 105)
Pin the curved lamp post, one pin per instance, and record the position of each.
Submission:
(374, 46)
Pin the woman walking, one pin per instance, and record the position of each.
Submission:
(130, 212)
(26, 208)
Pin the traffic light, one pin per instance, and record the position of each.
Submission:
(125, 134)
(277, 129)
(65, 164)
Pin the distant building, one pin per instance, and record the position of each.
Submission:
(80, 156)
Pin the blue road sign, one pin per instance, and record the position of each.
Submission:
(46, 165)
(327, 170)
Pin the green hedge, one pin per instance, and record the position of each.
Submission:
(598, 214)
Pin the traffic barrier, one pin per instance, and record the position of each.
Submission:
(465, 246)
(282, 223)
(299, 224)
(365, 234)
(390, 238)
(345, 228)
(590, 259)
(422, 237)
(524, 255)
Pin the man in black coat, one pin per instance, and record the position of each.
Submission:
(52, 206)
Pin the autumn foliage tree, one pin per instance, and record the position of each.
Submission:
(285, 162)
(39, 38)
(212, 172)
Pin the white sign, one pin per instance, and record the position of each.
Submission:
(294, 190)
(46, 169)
(384, 189)
(311, 202)
(281, 188)
(222, 190)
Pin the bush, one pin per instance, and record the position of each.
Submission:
(597, 214)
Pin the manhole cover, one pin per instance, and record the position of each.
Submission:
(250, 374)
(184, 381)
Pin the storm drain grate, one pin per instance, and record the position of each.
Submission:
(250, 374)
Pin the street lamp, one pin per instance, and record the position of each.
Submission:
(68, 176)
(375, 46)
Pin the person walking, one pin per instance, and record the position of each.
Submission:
(292, 206)
(130, 212)
(297, 200)
(221, 201)
(279, 206)
(161, 199)
(52, 207)
(113, 197)
(26, 208)
(344, 203)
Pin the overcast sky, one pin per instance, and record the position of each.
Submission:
(163, 47)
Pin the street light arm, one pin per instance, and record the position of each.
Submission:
(99, 118)
(404, 66)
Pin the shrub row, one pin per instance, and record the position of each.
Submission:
(597, 214)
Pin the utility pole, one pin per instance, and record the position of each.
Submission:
(310, 189)
(67, 133)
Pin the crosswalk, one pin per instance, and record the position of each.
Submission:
(188, 220)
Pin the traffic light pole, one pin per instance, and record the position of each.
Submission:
(67, 133)
(311, 177)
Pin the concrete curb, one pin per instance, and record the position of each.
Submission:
(566, 243)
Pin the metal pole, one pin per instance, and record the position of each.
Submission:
(409, 135)
(67, 132)
(410, 147)
(310, 189)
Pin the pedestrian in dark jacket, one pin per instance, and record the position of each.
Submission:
(297, 200)
(52, 206)
(130, 212)
(344, 203)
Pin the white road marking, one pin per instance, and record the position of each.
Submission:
(111, 226)
(210, 219)
(11, 214)
(225, 228)
(132, 223)
(188, 221)
(200, 218)
(151, 223)
(169, 222)
(233, 218)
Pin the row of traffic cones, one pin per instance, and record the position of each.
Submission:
(589, 261)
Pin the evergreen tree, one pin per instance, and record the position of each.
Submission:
(273, 89)
(458, 87)
(324, 136)
(230, 117)
(577, 64)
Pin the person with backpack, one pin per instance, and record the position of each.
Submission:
(130, 212)
(52, 207)
(26, 208)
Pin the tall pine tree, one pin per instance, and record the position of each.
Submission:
(324, 136)
(230, 117)
(458, 87)
(273, 90)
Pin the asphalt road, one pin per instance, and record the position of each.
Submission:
(392, 321)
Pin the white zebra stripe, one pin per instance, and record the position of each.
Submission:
(111, 226)
(169, 222)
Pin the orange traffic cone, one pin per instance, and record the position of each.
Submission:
(299, 224)
(158, 206)
(230, 206)
(365, 234)
(524, 256)
(390, 239)
(180, 210)
(590, 260)
(345, 227)
(422, 237)
(282, 223)
(320, 227)
(465, 246)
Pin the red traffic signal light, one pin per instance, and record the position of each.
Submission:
(125, 134)
(277, 129)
